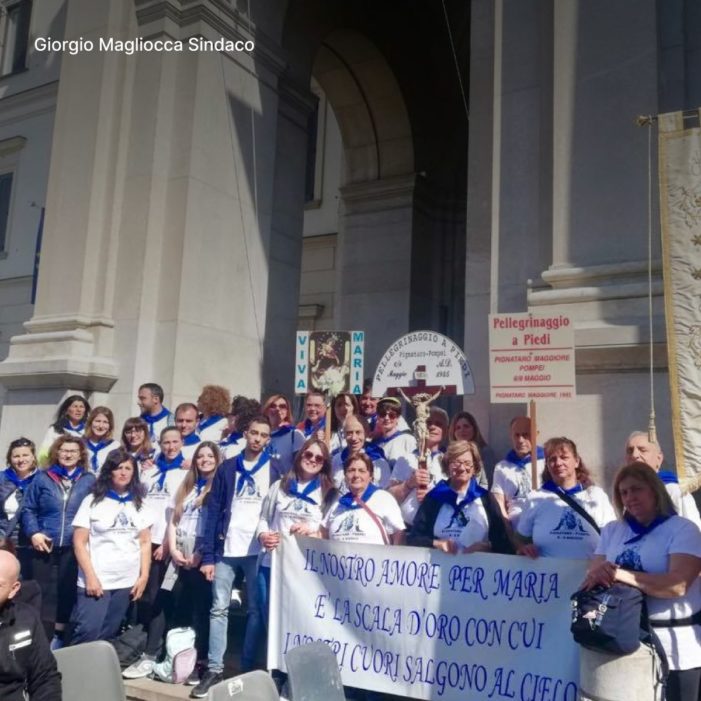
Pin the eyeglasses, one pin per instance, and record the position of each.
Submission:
(387, 412)
(467, 464)
(65, 451)
(280, 405)
(433, 422)
(135, 429)
(313, 457)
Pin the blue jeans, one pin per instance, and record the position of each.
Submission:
(263, 581)
(224, 572)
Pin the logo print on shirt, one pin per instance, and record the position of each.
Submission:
(630, 560)
(458, 520)
(569, 521)
(524, 484)
(121, 520)
(346, 526)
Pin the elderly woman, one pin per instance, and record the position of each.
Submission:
(48, 509)
(213, 405)
(99, 429)
(564, 517)
(285, 439)
(112, 543)
(453, 517)
(14, 481)
(365, 514)
(295, 504)
(653, 549)
(409, 484)
(356, 430)
(70, 421)
(464, 427)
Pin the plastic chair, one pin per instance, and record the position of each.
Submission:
(252, 686)
(90, 671)
(313, 674)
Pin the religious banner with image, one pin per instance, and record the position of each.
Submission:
(423, 624)
(329, 361)
(680, 213)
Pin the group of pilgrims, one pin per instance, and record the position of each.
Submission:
(173, 521)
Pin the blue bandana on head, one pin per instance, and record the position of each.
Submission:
(668, 477)
(293, 490)
(21, 484)
(640, 530)
(512, 457)
(151, 420)
(445, 494)
(120, 498)
(247, 475)
(206, 423)
(550, 486)
(348, 500)
(94, 449)
(61, 472)
(165, 466)
(310, 428)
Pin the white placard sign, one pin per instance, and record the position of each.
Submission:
(531, 357)
(419, 623)
(423, 361)
(329, 361)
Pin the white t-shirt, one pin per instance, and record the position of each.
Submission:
(96, 459)
(289, 510)
(159, 497)
(113, 540)
(558, 530)
(283, 448)
(357, 526)
(677, 535)
(380, 476)
(231, 450)
(396, 445)
(245, 512)
(684, 504)
(213, 431)
(405, 466)
(191, 523)
(514, 483)
(189, 450)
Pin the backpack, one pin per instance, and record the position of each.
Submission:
(129, 645)
(180, 659)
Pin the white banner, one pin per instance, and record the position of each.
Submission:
(680, 213)
(419, 623)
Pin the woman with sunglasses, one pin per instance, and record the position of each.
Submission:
(14, 481)
(48, 509)
(137, 442)
(112, 544)
(393, 441)
(99, 429)
(295, 504)
(285, 439)
(70, 421)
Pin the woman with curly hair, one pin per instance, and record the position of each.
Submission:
(213, 404)
(48, 509)
(112, 544)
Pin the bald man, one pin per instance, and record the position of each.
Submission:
(640, 449)
(26, 663)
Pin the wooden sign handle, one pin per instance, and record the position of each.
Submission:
(534, 445)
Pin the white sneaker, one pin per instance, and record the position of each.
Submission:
(141, 668)
(236, 601)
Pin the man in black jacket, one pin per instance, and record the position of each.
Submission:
(26, 663)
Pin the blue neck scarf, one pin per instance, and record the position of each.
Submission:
(61, 472)
(206, 423)
(310, 428)
(247, 475)
(640, 530)
(94, 449)
(445, 494)
(374, 452)
(526, 459)
(372, 422)
(282, 431)
(232, 438)
(382, 440)
(21, 484)
(668, 477)
(120, 498)
(79, 428)
(191, 439)
(348, 500)
(199, 485)
(151, 420)
(166, 466)
(293, 490)
(550, 486)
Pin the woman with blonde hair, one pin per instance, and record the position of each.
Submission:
(192, 593)
(464, 427)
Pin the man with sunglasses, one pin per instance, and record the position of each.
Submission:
(394, 441)
(229, 541)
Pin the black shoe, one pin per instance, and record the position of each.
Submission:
(194, 678)
(209, 678)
